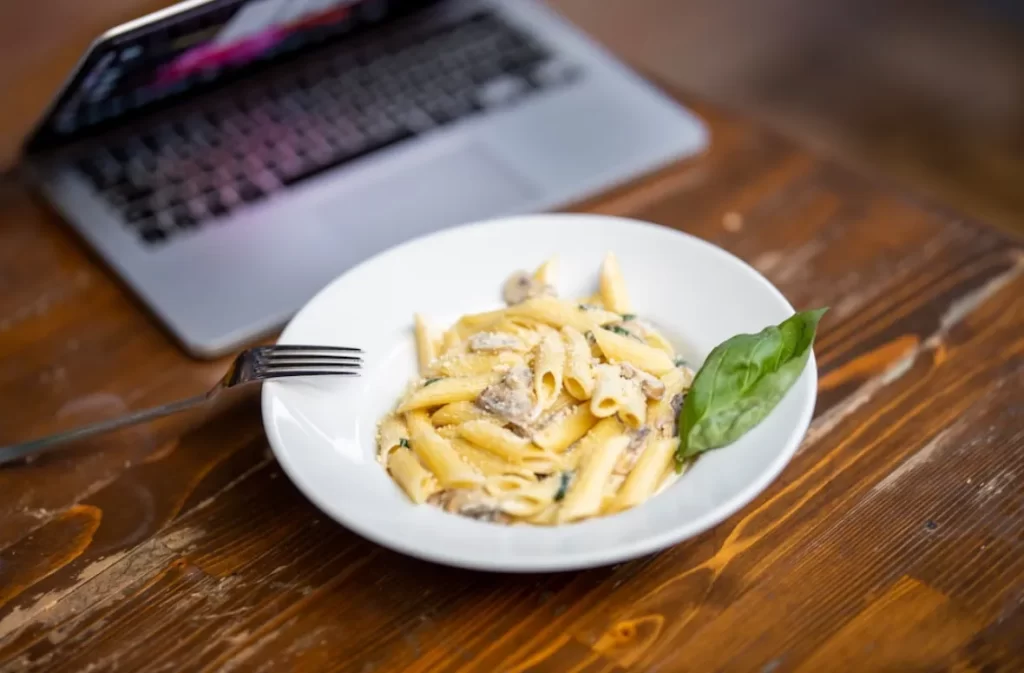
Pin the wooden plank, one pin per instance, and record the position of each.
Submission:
(182, 546)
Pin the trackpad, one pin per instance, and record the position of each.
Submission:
(452, 187)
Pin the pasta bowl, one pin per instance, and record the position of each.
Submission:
(324, 432)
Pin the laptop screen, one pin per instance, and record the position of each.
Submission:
(195, 50)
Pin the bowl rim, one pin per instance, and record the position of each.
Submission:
(562, 561)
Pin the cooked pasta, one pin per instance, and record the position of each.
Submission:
(545, 412)
(579, 368)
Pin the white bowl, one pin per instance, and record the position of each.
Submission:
(323, 430)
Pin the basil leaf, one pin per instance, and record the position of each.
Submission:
(741, 382)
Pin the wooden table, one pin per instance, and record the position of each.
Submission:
(894, 541)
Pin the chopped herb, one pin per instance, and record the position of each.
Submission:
(618, 330)
(582, 307)
(429, 381)
(590, 337)
(626, 317)
(403, 442)
(563, 485)
(681, 362)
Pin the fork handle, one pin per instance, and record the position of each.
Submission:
(34, 446)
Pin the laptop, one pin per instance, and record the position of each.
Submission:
(228, 158)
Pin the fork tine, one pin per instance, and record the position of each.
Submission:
(309, 372)
(285, 358)
(310, 364)
(292, 348)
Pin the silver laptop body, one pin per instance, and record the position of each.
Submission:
(552, 118)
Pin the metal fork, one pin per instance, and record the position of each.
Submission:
(262, 363)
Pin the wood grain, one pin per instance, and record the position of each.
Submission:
(891, 542)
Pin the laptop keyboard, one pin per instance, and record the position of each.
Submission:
(399, 82)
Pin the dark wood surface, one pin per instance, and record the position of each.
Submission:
(892, 542)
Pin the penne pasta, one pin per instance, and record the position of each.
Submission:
(450, 342)
(563, 401)
(603, 430)
(565, 429)
(437, 454)
(545, 273)
(662, 413)
(613, 286)
(619, 348)
(457, 413)
(418, 483)
(546, 412)
(586, 495)
(500, 485)
(495, 342)
(486, 462)
(472, 364)
(670, 476)
(545, 517)
(548, 367)
(522, 498)
(445, 391)
(496, 439)
(540, 461)
(557, 313)
(470, 324)
(391, 435)
(610, 391)
(426, 348)
(524, 329)
(654, 339)
(578, 378)
(448, 431)
(645, 476)
(611, 489)
(633, 409)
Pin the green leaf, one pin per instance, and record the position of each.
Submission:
(741, 382)
(626, 317)
(402, 441)
(430, 381)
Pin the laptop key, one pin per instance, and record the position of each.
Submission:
(138, 211)
(130, 193)
(151, 233)
(183, 217)
(415, 119)
(249, 191)
(198, 209)
(214, 205)
(229, 197)
(266, 182)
